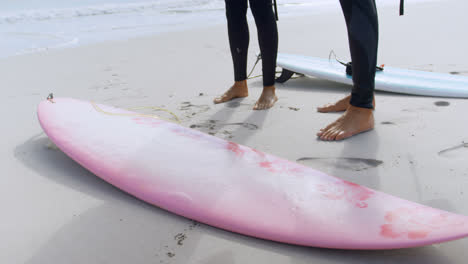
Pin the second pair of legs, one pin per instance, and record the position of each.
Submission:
(362, 24)
(354, 120)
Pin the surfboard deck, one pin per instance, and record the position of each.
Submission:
(237, 188)
(390, 79)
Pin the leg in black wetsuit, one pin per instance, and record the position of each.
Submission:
(363, 35)
(238, 32)
(362, 24)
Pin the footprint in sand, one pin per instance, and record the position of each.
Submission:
(212, 127)
(294, 108)
(192, 109)
(180, 238)
(212, 124)
(442, 103)
(387, 123)
(459, 151)
(249, 126)
(354, 164)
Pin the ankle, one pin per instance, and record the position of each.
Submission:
(359, 110)
(270, 88)
(240, 84)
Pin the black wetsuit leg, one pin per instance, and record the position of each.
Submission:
(265, 20)
(238, 31)
(363, 34)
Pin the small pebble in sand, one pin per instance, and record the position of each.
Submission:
(442, 103)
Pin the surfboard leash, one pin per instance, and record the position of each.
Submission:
(97, 108)
(157, 109)
(349, 68)
(50, 98)
(259, 57)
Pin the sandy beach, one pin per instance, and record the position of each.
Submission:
(55, 211)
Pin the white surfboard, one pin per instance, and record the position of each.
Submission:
(389, 80)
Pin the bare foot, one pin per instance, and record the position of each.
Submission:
(237, 90)
(339, 106)
(267, 99)
(355, 120)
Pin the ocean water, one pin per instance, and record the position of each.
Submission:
(36, 25)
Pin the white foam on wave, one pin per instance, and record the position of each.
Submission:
(77, 22)
(173, 6)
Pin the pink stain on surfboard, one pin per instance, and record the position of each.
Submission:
(185, 133)
(186, 172)
(281, 166)
(344, 190)
(235, 148)
(272, 165)
(415, 223)
(259, 154)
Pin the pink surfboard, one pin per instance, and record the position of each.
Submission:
(237, 188)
